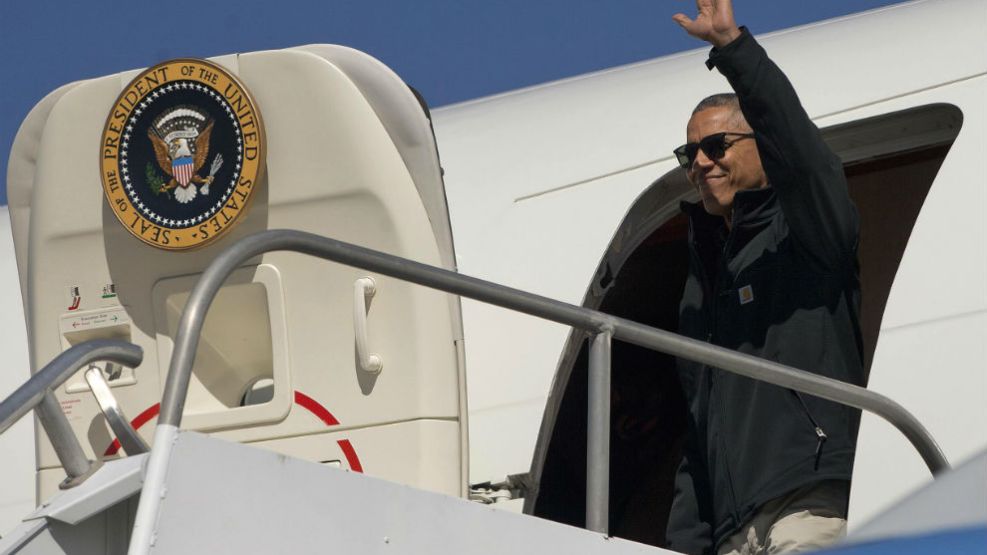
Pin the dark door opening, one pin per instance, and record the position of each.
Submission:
(888, 182)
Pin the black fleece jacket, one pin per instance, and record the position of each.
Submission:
(781, 284)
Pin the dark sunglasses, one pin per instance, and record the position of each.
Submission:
(715, 146)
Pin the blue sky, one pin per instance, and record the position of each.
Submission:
(449, 50)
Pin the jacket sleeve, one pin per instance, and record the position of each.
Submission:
(806, 175)
(689, 530)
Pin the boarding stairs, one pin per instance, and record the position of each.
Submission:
(192, 493)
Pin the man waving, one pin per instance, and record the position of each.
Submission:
(773, 273)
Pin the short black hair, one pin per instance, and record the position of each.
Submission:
(717, 101)
(723, 100)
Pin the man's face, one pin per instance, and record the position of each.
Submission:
(739, 168)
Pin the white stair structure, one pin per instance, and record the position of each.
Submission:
(225, 497)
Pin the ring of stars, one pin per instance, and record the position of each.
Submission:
(132, 191)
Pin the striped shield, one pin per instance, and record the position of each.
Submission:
(181, 168)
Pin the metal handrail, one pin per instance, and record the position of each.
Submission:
(36, 393)
(597, 323)
(131, 442)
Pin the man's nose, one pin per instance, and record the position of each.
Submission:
(702, 161)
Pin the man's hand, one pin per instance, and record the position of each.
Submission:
(714, 24)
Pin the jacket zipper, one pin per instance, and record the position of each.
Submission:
(712, 294)
(821, 436)
(721, 268)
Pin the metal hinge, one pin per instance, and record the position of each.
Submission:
(515, 486)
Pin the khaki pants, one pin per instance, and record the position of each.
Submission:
(807, 518)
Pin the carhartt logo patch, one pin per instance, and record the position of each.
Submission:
(746, 294)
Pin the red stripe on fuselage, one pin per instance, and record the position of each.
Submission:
(351, 457)
(315, 408)
(301, 399)
(323, 413)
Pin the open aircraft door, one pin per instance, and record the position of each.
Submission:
(641, 275)
(321, 139)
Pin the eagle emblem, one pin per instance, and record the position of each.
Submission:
(181, 154)
(180, 138)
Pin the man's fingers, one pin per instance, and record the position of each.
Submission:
(691, 26)
(683, 20)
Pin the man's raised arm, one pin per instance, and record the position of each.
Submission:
(807, 176)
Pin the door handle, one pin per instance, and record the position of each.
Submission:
(364, 290)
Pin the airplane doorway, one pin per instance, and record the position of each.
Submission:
(891, 163)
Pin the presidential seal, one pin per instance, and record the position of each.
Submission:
(181, 153)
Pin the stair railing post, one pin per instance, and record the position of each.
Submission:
(598, 435)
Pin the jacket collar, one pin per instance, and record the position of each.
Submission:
(751, 208)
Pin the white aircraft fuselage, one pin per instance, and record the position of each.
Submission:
(551, 187)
